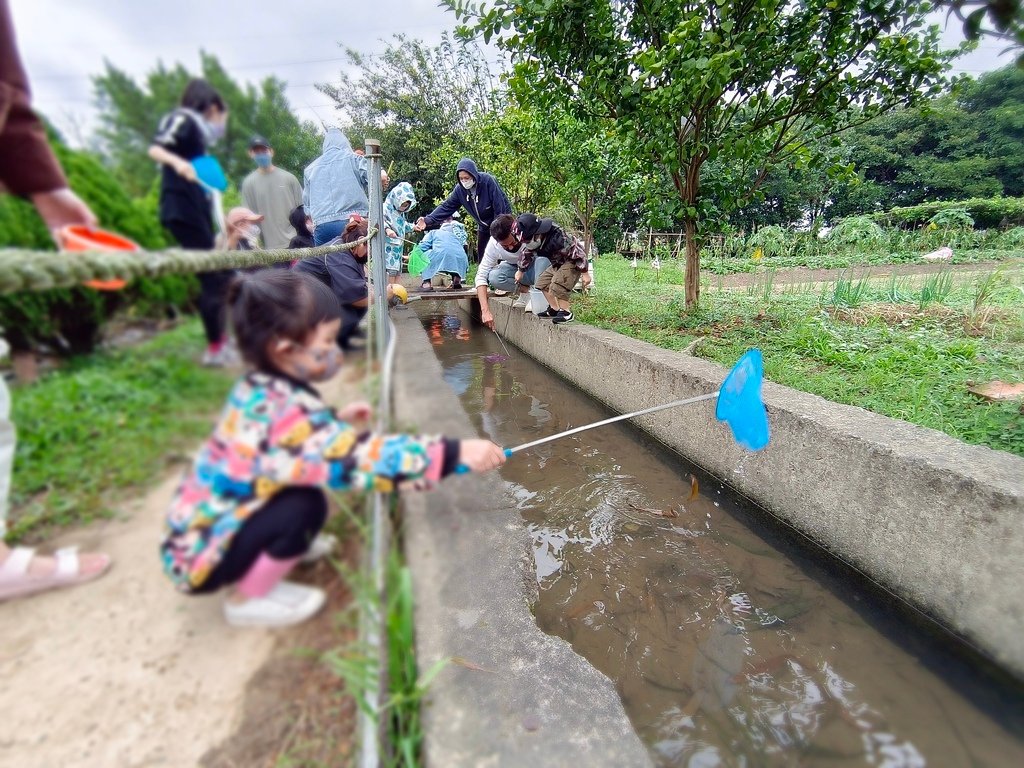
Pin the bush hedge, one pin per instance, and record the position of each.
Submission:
(987, 212)
(70, 320)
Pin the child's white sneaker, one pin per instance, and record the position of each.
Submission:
(522, 301)
(286, 604)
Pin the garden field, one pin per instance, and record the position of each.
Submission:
(908, 347)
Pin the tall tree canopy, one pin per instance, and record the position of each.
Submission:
(415, 98)
(969, 143)
(129, 113)
(752, 83)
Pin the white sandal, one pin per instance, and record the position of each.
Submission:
(16, 581)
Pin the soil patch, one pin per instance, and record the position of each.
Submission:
(127, 672)
(296, 711)
(806, 275)
(904, 315)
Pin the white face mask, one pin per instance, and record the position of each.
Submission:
(534, 244)
(467, 183)
(216, 131)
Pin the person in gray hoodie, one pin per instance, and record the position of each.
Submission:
(335, 187)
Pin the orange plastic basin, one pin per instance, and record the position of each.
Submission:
(79, 238)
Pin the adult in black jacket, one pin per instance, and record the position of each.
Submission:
(303, 236)
(480, 194)
(184, 134)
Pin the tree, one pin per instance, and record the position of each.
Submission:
(996, 100)
(129, 113)
(591, 166)
(752, 83)
(961, 145)
(414, 98)
(1005, 20)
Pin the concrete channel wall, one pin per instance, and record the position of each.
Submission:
(510, 695)
(936, 521)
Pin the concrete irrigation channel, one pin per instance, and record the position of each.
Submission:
(849, 594)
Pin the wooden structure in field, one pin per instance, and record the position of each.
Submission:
(650, 244)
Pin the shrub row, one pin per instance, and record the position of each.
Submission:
(70, 320)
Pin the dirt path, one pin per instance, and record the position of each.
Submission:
(805, 275)
(127, 672)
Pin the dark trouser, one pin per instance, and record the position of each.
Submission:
(283, 528)
(212, 298)
(213, 285)
(350, 317)
(483, 236)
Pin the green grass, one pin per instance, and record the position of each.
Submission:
(849, 342)
(822, 258)
(357, 664)
(105, 423)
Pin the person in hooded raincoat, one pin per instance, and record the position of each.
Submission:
(477, 192)
(300, 222)
(399, 200)
(446, 250)
(335, 187)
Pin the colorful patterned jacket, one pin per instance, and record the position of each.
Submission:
(276, 432)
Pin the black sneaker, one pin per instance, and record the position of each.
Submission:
(562, 316)
(549, 312)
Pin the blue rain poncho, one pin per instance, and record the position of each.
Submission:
(395, 220)
(446, 249)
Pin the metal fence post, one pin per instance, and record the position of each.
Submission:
(373, 730)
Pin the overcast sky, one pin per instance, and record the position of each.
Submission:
(63, 42)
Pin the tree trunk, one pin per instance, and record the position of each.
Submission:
(588, 232)
(692, 263)
(689, 191)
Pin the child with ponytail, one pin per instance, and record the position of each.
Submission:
(253, 501)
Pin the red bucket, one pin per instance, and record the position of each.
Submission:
(79, 238)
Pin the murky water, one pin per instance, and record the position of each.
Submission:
(730, 643)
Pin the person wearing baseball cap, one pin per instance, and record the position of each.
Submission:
(544, 238)
(272, 193)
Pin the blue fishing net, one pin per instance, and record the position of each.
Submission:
(210, 173)
(740, 405)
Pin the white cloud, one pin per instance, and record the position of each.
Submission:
(990, 54)
(62, 43)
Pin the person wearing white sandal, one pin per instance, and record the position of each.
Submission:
(253, 502)
(29, 168)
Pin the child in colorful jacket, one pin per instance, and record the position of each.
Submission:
(252, 502)
(399, 200)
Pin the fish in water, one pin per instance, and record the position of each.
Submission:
(667, 512)
(771, 666)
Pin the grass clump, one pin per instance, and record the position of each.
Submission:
(899, 350)
(358, 663)
(104, 423)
